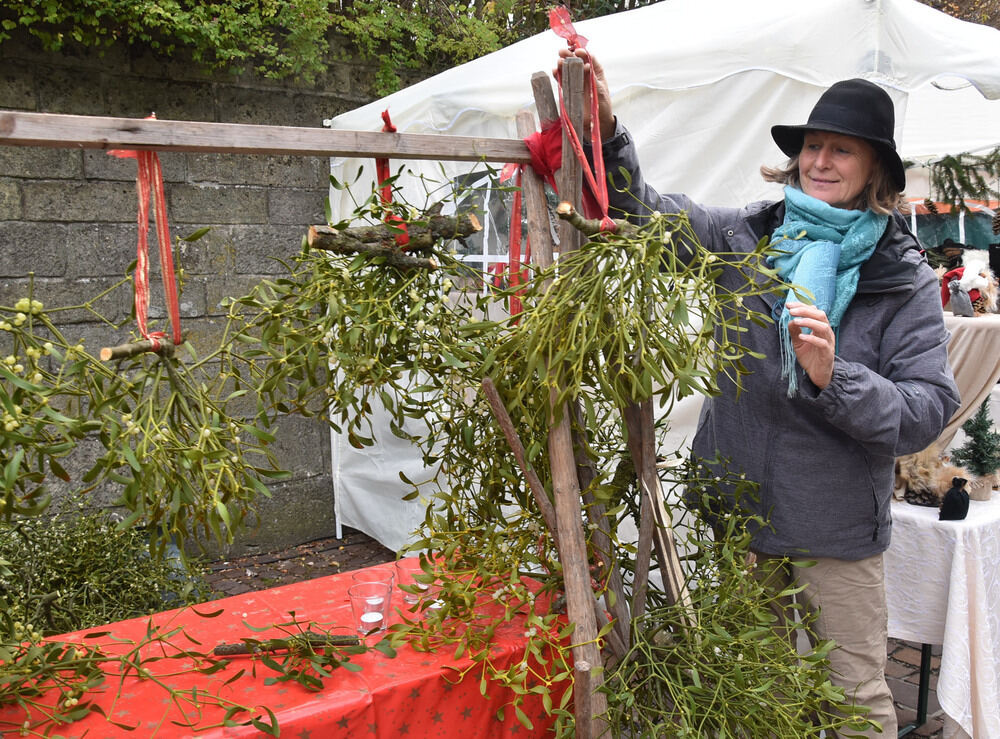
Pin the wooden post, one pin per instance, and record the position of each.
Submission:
(514, 442)
(617, 606)
(654, 524)
(545, 101)
(615, 601)
(606, 561)
(19, 128)
(571, 174)
(588, 702)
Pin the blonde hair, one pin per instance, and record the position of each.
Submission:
(880, 194)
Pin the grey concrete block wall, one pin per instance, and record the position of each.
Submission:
(68, 217)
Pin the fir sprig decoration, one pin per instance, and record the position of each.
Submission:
(959, 176)
(981, 452)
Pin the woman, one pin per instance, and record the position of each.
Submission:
(846, 386)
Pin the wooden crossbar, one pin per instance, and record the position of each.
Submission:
(98, 132)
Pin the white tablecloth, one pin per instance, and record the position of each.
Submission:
(974, 355)
(943, 587)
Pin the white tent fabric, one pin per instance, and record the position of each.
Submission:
(699, 85)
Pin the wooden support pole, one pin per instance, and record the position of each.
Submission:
(647, 524)
(571, 173)
(514, 442)
(588, 702)
(19, 128)
(534, 201)
(655, 528)
(615, 602)
(606, 563)
(164, 347)
(545, 99)
(664, 540)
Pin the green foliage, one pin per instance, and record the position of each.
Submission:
(50, 680)
(292, 38)
(78, 569)
(169, 430)
(341, 337)
(617, 322)
(734, 674)
(957, 177)
(275, 37)
(981, 451)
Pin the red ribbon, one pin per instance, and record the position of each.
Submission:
(545, 148)
(149, 178)
(385, 193)
(559, 21)
(516, 270)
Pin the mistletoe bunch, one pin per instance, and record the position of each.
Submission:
(345, 334)
(349, 331)
(169, 431)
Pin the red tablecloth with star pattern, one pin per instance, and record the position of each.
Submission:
(414, 694)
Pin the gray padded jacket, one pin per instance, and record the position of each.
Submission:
(824, 459)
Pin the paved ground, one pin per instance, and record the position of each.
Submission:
(356, 550)
(304, 562)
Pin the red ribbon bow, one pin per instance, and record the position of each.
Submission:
(149, 178)
(560, 22)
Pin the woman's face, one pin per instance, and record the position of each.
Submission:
(835, 168)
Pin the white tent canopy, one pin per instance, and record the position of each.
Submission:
(698, 84)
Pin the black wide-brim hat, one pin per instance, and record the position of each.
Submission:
(855, 108)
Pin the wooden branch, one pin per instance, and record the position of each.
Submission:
(605, 562)
(655, 528)
(99, 132)
(514, 442)
(421, 235)
(278, 645)
(591, 226)
(329, 239)
(164, 347)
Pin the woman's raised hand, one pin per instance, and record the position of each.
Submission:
(816, 348)
(605, 114)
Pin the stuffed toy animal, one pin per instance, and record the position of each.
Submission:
(961, 301)
(977, 275)
(924, 478)
(955, 504)
(970, 289)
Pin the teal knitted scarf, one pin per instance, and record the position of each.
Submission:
(821, 249)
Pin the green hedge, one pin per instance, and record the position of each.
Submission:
(291, 38)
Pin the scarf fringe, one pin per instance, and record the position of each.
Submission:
(788, 358)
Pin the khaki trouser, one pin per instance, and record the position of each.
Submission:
(848, 599)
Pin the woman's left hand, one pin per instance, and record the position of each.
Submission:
(815, 349)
